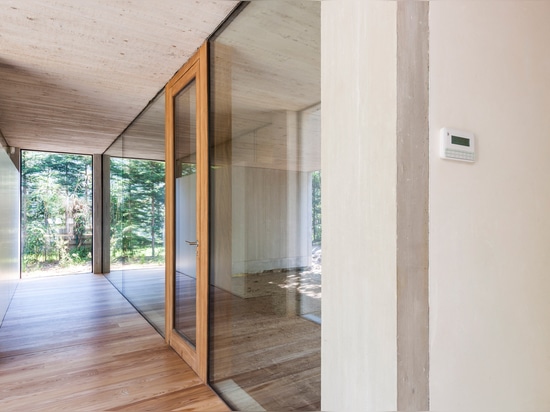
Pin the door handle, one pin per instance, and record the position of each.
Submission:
(195, 243)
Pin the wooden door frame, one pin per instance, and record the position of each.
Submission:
(196, 68)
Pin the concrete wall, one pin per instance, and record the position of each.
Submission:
(359, 362)
(271, 219)
(9, 230)
(489, 221)
(268, 227)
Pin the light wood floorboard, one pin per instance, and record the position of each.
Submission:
(74, 343)
(266, 349)
(261, 347)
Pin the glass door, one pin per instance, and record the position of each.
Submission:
(187, 213)
(185, 174)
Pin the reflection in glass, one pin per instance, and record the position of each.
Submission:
(265, 218)
(185, 134)
(135, 163)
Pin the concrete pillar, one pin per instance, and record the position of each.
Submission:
(101, 214)
(412, 206)
(375, 205)
(358, 151)
(106, 214)
(97, 215)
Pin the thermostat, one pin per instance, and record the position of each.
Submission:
(457, 145)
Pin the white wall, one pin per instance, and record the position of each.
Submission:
(271, 220)
(9, 230)
(490, 221)
(359, 205)
(269, 227)
(186, 224)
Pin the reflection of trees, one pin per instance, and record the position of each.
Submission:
(316, 206)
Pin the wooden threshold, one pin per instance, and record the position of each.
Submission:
(74, 343)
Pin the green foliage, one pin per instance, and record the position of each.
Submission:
(56, 209)
(316, 206)
(137, 210)
(56, 199)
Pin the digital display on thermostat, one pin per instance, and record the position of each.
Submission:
(457, 145)
(462, 141)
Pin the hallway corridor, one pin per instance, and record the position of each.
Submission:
(74, 343)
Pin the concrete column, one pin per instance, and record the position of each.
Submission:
(97, 216)
(358, 148)
(106, 214)
(101, 214)
(412, 206)
(375, 205)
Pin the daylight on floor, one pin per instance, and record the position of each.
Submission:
(274, 205)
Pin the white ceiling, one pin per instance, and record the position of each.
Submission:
(75, 73)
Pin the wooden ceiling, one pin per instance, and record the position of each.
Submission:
(269, 87)
(273, 77)
(75, 73)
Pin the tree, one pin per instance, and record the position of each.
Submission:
(316, 206)
(137, 207)
(56, 199)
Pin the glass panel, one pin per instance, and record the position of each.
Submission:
(265, 216)
(137, 177)
(185, 132)
(56, 213)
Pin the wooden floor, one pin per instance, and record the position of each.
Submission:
(144, 288)
(264, 352)
(74, 343)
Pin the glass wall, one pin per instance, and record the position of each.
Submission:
(56, 213)
(9, 230)
(265, 219)
(135, 162)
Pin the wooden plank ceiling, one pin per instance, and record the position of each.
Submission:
(75, 73)
(260, 83)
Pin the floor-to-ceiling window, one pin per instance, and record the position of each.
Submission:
(135, 163)
(56, 213)
(265, 211)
